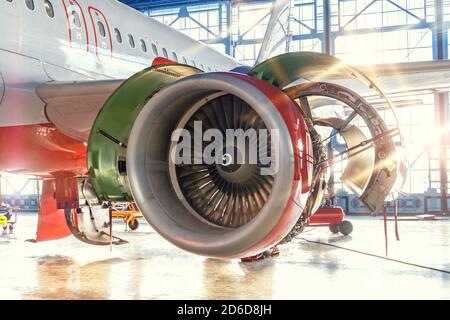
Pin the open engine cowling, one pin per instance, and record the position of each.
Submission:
(226, 209)
(242, 213)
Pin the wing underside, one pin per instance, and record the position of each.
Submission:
(72, 107)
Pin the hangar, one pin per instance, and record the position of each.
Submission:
(112, 113)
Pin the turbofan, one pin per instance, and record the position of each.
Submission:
(229, 164)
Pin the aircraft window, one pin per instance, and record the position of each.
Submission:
(209, 69)
(30, 4)
(202, 67)
(194, 64)
(166, 55)
(155, 49)
(49, 8)
(101, 29)
(131, 41)
(175, 56)
(184, 60)
(118, 35)
(76, 19)
(143, 46)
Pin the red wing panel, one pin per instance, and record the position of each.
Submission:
(52, 222)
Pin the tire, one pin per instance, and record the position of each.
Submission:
(133, 225)
(334, 228)
(346, 228)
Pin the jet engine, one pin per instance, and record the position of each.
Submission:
(228, 164)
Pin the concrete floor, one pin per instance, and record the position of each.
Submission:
(150, 268)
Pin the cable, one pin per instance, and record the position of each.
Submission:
(376, 256)
(309, 230)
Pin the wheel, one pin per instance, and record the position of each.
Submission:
(346, 228)
(133, 225)
(334, 228)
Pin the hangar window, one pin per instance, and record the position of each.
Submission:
(76, 22)
(175, 57)
(143, 46)
(165, 54)
(30, 4)
(49, 9)
(118, 35)
(131, 41)
(101, 29)
(155, 49)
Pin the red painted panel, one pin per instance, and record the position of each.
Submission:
(52, 222)
(40, 150)
(160, 61)
(325, 216)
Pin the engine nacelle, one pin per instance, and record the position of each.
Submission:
(155, 142)
(220, 210)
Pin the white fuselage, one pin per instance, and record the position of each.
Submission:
(84, 40)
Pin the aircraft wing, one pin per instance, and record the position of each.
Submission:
(410, 78)
(73, 106)
(402, 83)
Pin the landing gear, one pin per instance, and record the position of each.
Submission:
(133, 224)
(345, 227)
(267, 254)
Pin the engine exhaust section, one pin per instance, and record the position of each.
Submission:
(228, 165)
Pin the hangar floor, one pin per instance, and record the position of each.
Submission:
(150, 268)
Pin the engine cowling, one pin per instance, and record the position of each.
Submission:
(230, 204)
(217, 210)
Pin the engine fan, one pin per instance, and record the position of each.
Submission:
(226, 193)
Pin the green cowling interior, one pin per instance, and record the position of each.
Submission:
(110, 132)
(285, 69)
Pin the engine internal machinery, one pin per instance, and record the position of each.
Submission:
(228, 164)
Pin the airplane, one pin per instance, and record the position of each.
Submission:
(91, 93)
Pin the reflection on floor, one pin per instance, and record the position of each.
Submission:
(150, 268)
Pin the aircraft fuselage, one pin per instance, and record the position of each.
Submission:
(75, 41)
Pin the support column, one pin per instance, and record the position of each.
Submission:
(328, 49)
(228, 40)
(327, 41)
(440, 52)
(440, 37)
(441, 101)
